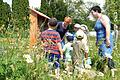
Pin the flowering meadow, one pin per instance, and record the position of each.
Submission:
(20, 62)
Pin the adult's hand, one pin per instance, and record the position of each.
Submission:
(107, 42)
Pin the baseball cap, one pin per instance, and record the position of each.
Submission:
(83, 27)
(77, 25)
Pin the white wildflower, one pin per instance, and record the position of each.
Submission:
(28, 58)
(100, 74)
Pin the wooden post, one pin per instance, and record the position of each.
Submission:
(33, 28)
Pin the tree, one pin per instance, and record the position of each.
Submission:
(74, 8)
(20, 14)
(112, 9)
(45, 8)
(54, 8)
(59, 9)
(5, 15)
(79, 11)
(88, 5)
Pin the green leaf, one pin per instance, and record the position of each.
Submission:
(1, 69)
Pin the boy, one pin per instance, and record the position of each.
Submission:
(51, 43)
(68, 51)
(80, 48)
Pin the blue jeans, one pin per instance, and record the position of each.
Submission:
(104, 50)
(53, 58)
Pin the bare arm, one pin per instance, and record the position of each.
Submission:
(85, 46)
(106, 24)
(60, 49)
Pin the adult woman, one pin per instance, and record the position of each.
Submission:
(62, 28)
(104, 38)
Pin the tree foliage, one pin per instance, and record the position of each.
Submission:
(113, 10)
(5, 13)
(61, 8)
(79, 12)
(20, 14)
(54, 8)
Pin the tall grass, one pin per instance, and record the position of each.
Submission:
(13, 65)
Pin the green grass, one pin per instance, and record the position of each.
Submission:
(116, 55)
(13, 65)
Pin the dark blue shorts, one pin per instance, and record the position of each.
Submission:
(53, 58)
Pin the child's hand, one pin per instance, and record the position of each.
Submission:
(61, 56)
(85, 60)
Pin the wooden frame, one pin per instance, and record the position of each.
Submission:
(38, 23)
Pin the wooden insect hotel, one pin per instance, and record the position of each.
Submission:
(38, 23)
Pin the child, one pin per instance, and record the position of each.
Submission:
(68, 50)
(80, 48)
(51, 43)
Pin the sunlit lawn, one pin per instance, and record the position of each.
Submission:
(14, 67)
